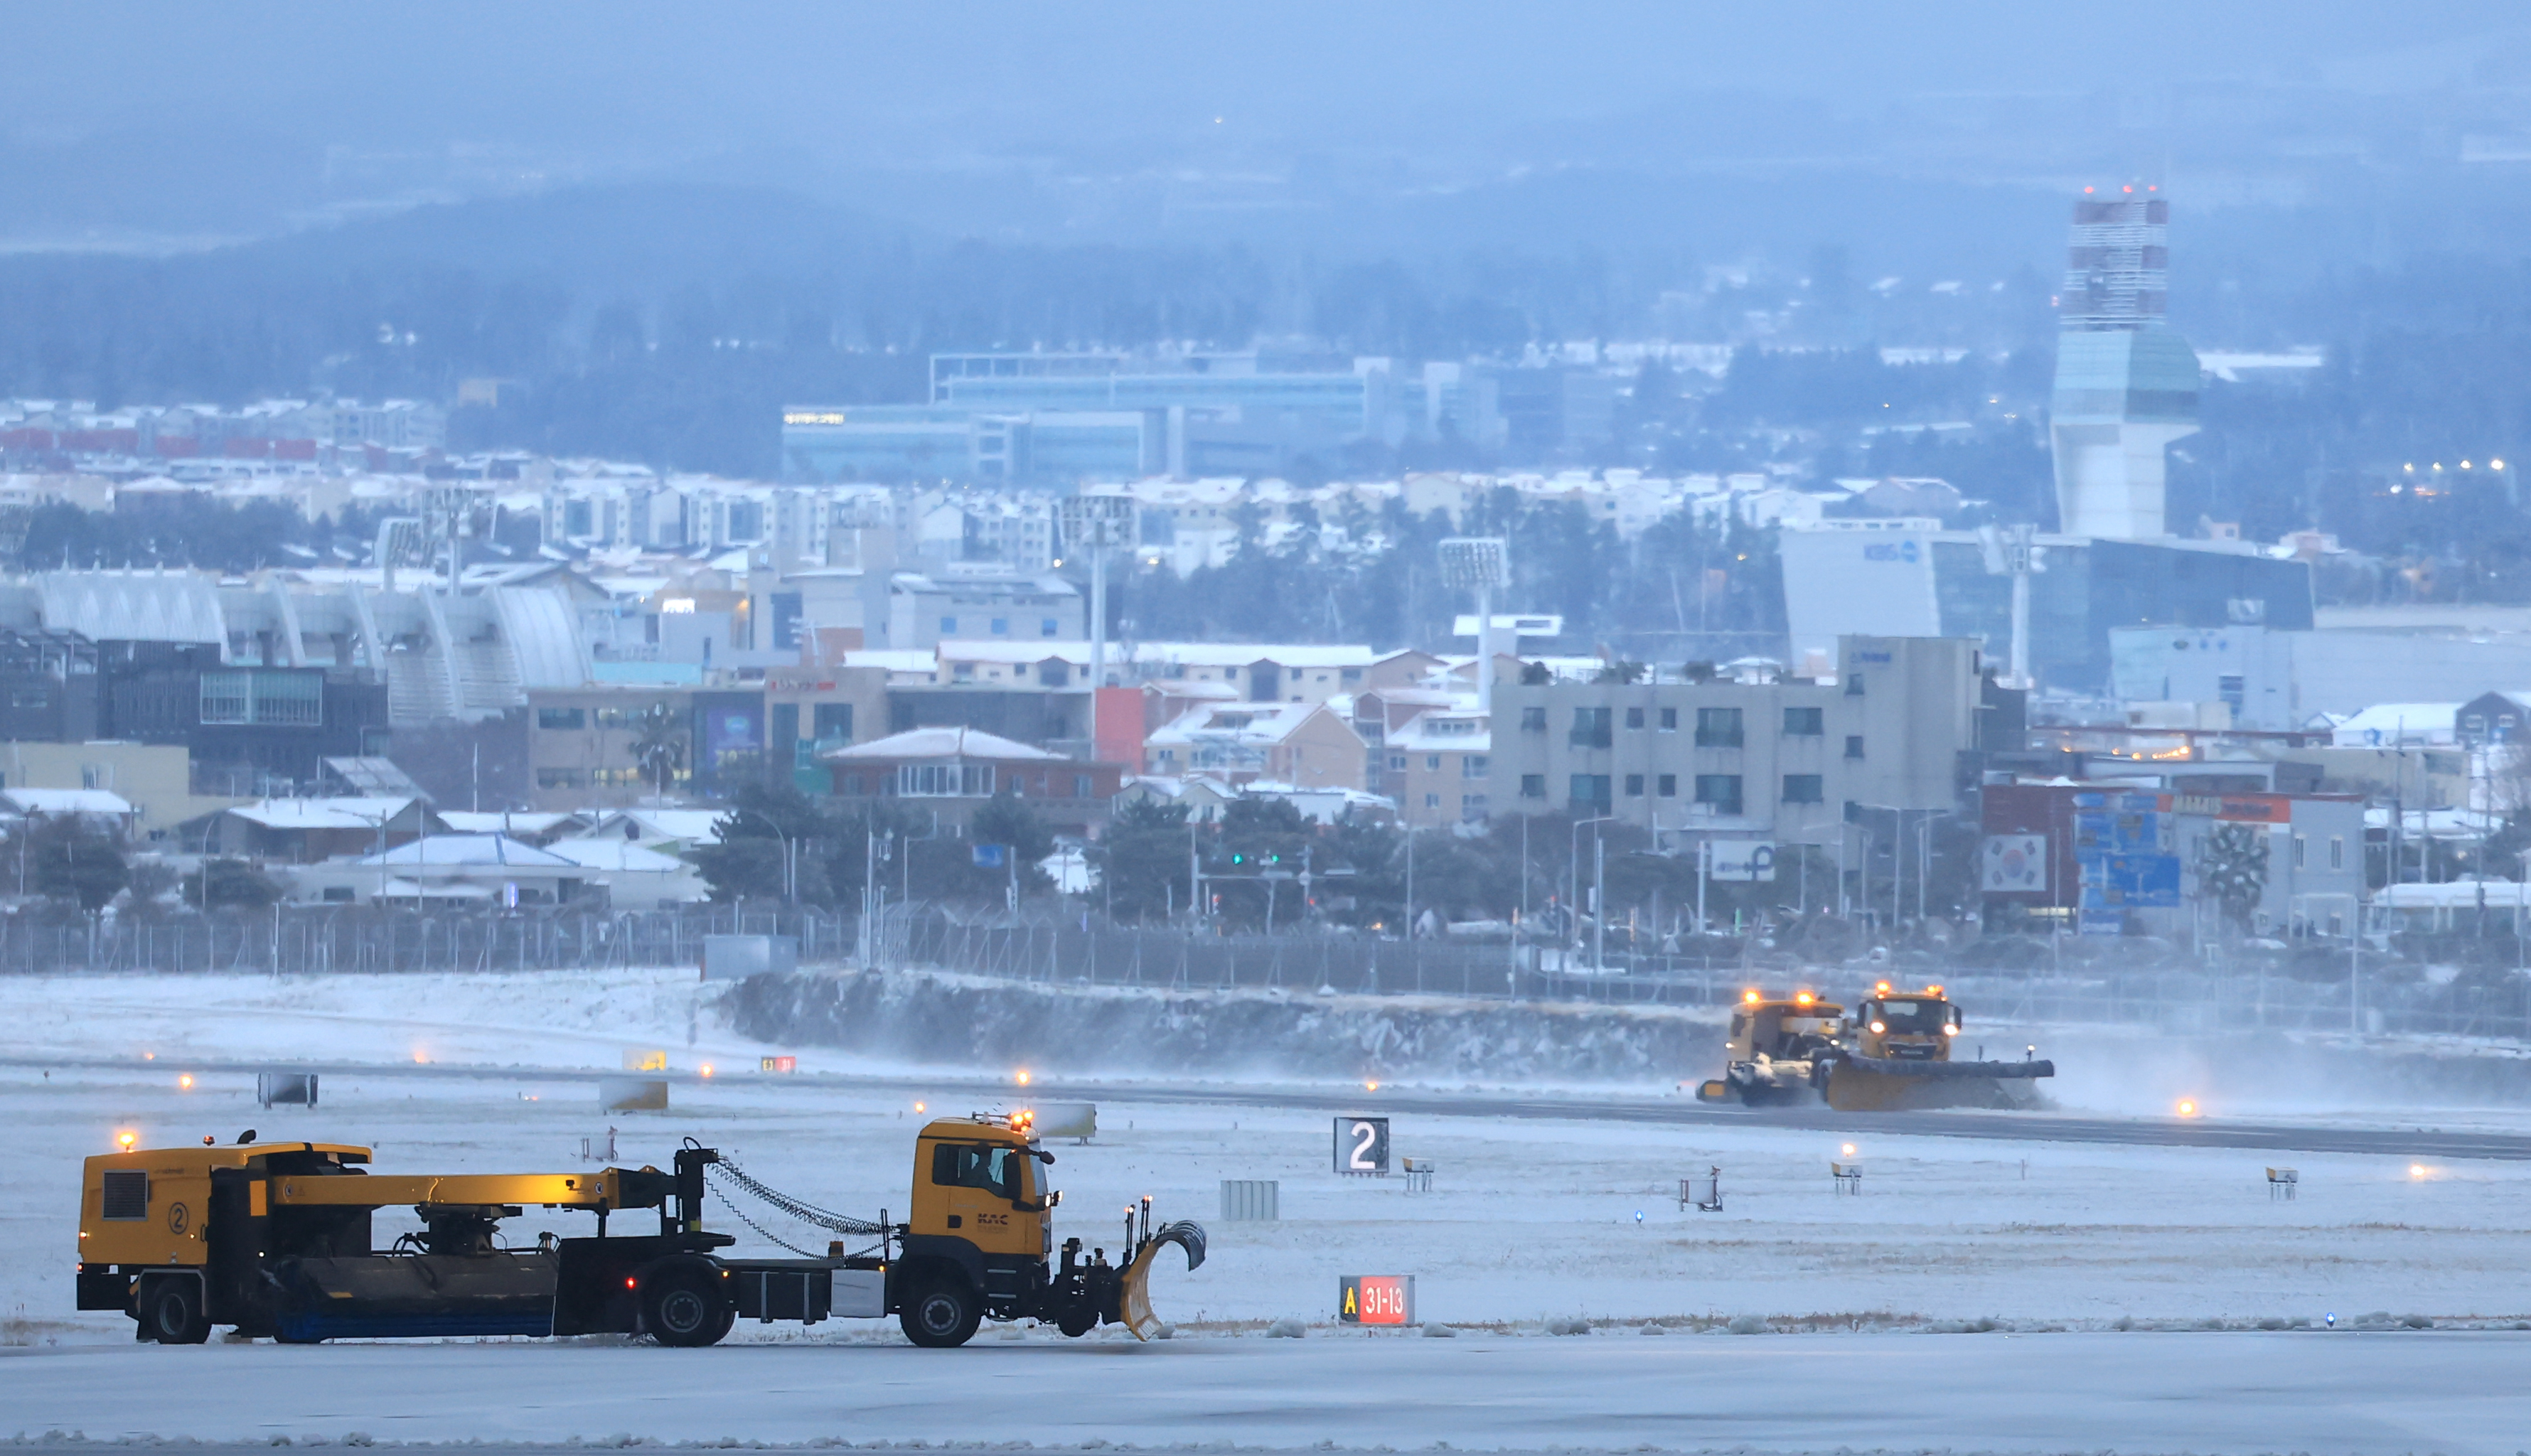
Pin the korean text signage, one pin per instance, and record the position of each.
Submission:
(2123, 858)
(1375, 1299)
(1361, 1147)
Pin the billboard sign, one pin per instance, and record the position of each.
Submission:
(2130, 881)
(1740, 859)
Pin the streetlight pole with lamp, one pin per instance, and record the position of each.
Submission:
(1095, 525)
(790, 858)
(1925, 854)
(1573, 862)
(1481, 565)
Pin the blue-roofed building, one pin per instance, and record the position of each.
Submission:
(1061, 418)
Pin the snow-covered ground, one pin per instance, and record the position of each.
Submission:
(1530, 1221)
(2455, 1393)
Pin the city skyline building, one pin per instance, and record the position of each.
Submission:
(2126, 385)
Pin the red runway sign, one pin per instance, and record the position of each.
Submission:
(1375, 1299)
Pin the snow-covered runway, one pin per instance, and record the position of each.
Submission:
(2321, 1393)
(1536, 1217)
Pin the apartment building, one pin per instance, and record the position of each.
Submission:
(926, 609)
(583, 744)
(1438, 767)
(1304, 744)
(1754, 752)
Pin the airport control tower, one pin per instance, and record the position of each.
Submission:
(2126, 386)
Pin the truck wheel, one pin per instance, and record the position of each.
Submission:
(1077, 1322)
(943, 1316)
(680, 1307)
(172, 1312)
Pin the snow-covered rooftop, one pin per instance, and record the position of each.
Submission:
(66, 801)
(938, 742)
(323, 813)
(468, 849)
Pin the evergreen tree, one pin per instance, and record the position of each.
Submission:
(68, 858)
(1143, 861)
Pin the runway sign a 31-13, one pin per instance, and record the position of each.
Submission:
(1375, 1299)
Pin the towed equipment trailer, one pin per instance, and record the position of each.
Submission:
(275, 1240)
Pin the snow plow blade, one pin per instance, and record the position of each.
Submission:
(1136, 1302)
(1864, 1084)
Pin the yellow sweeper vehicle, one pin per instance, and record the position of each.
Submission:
(273, 1239)
(1892, 1052)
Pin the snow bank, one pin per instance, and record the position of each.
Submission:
(946, 1020)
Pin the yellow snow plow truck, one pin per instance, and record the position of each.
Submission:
(1891, 1052)
(274, 1238)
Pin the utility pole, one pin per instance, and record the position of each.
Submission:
(1599, 904)
(869, 895)
(1091, 525)
(1863, 870)
(1410, 881)
(1573, 869)
(1704, 874)
(1844, 907)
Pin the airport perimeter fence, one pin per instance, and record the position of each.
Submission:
(322, 940)
(2371, 999)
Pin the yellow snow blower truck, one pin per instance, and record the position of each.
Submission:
(275, 1240)
(1891, 1053)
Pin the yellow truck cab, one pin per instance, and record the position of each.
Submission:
(981, 1238)
(979, 1232)
(1905, 1026)
(1898, 1054)
(1776, 1050)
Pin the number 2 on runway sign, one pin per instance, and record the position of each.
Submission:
(1361, 1147)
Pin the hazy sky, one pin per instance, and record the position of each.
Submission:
(1309, 122)
(948, 77)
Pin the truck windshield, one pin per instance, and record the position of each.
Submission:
(988, 1166)
(1913, 1016)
